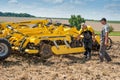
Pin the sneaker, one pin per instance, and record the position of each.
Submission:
(88, 56)
(109, 60)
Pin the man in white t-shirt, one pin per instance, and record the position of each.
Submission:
(104, 41)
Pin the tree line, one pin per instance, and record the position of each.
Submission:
(10, 14)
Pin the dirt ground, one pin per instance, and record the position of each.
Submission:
(64, 67)
(115, 38)
(98, 26)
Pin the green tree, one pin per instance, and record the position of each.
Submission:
(76, 21)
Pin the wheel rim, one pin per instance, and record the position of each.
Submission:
(3, 49)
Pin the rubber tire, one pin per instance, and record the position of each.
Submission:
(8, 46)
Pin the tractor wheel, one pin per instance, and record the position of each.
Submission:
(109, 44)
(5, 49)
(45, 51)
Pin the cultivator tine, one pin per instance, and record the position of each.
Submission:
(56, 44)
(66, 44)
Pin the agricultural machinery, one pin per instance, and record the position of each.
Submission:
(41, 37)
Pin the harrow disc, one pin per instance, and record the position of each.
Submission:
(45, 51)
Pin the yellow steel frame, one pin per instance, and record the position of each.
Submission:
(39, 33)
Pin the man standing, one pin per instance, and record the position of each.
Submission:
(104, 41)
(88, 34)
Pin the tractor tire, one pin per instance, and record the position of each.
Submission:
(110, 44)
(5, 49)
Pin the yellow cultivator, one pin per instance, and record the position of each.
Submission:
(42, 37)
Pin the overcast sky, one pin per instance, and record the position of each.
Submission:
(89, 9)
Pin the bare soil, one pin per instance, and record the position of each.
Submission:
(63, 67)
(115, 38)
(98, 26)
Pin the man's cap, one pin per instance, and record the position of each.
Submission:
(82, 24)
(103, 19)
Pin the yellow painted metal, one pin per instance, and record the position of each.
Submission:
(24, 24)
(25, 43)
(15, 48)
(97, 37)
(34, 40)
(31, 51)
(63, 49)
(35, 31)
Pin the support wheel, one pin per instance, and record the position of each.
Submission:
(5, 49)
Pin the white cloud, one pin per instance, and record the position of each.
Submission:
(54, 1)
(13, 1)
